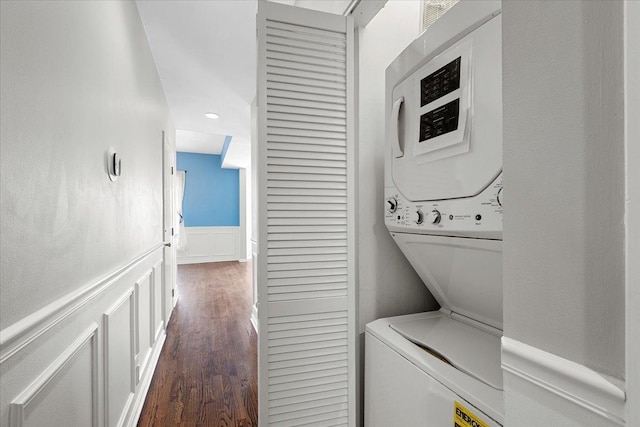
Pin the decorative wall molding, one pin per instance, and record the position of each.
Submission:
(143, 291)
(143, 386)
(107, 317)
(598, 393)
(159, 300)
(21, 404)
(17, 336)
(211, 244)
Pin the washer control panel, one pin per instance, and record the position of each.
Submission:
(479, 216)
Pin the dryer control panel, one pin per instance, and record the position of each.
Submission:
(477, 217)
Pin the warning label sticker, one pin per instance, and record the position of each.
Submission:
(462, 417)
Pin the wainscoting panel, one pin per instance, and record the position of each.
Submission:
(144, 326)
(157, 315)
(73, 362)
(119, 363)
(65, 393)
(211, 244)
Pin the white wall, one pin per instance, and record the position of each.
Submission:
(564, 178)
(77, 78)
(388, 284)
(79, 252)
(564, 284)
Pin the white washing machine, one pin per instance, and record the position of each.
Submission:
(443, 207)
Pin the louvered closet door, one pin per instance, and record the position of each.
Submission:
(306, 300)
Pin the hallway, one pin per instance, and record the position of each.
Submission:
(207, 373)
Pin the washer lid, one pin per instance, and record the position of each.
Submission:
(467, 348)
(464, 275)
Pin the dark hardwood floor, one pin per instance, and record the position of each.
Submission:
(207, 373)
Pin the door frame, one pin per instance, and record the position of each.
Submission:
(169, 224)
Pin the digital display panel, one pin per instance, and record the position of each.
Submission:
(440, 82)
(443, 119)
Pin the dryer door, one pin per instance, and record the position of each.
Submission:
(446, 127)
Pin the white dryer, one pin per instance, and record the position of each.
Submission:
(443, 207)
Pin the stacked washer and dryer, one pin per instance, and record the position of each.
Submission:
(443, 207)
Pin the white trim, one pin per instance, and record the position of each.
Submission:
(254, 317)
(21, 403)
(632, 207)
(352, 236)
(242, 232)
(364, 11)
(260, 260)
(20, 334)
(601, 395)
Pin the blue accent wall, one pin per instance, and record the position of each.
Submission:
(212, 194)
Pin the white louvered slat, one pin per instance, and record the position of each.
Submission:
(334, 192)
(308, 405)
(317, 77)
(301, 117)
(307, 331)
(308, 392)
(311, 163)
(276, 55)
(310, 170)
(281, 293)
(310, 416)
(325, 39)
(305, 273)
(296, 296)
(280, 96)
(335, 95)
(329, 35)
(304, 356)
(306, 244)
(301, 198)
(291, 38)
(307, 111)
(278, 76)
(299, 398)
(306, 324)
(276, 100)
(308, 281)
(304, 149)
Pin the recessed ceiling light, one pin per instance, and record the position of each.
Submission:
(212, 115)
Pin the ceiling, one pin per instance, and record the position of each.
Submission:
(205, 53)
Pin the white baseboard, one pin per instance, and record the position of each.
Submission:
(211, 244)
(596, 395)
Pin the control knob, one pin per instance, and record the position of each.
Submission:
(419, 217)
(393, 204)
(434, 217)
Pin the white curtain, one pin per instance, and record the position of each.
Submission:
(180, 237)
